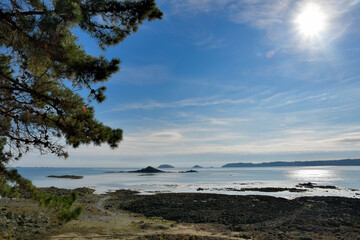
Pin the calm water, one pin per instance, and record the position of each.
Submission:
(213, 180)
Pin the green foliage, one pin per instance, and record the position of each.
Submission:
(62, 205)
(12, 183)
(41, 69)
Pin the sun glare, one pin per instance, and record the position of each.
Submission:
(311, 21)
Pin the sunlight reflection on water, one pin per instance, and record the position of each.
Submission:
(315, 175)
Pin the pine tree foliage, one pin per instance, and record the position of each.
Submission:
(42, 67)
(12, 183)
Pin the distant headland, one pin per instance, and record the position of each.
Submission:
(342, 162)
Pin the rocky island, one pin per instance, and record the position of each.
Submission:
(148, 169)
(197, 166)
(66, 176)
(166, 166)
(151, 169)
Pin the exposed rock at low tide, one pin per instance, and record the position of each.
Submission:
(23, 219)
(260, 217)
(249, 217)
(314, 185)
(265, 189)
(189, 171)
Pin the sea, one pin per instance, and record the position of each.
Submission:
(346, 179)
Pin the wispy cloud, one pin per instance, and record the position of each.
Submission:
(193, 6)
(221, 121)
(258, 13)
(293, 99)
(190, 102)
(210, 42)
(142, 75)
(189, 141)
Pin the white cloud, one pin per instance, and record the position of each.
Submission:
(260, 14)
(165, 136)
(312, 126)
(207, 136)
(230, 121)
(176, 142)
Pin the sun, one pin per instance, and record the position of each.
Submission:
(311, 21)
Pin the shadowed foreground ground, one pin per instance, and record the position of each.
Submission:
(126, 215)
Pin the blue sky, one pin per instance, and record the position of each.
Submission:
(220, 81)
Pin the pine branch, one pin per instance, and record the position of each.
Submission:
(27, 13)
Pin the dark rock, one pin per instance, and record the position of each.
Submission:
(273, 189)
(245, 236)
(314, 185)
(189, 171)
(264, 217)
(145, 226)
(9, 215)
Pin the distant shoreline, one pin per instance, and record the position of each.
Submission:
(342, 162)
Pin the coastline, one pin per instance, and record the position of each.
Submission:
(208, 180)
(124, 214)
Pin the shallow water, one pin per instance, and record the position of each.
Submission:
(214, 180)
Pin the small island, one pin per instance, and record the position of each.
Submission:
(66, 176)
(148, 169)
(197, 166)
(166, 166)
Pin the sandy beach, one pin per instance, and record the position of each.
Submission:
(125, 214)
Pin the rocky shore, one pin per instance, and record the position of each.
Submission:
(24, 219)
(259, 217)
(125, 214)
